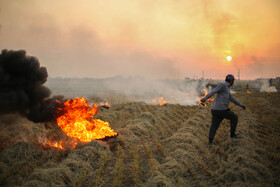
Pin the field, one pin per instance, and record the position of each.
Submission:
(156, 146)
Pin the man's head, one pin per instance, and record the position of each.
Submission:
(230, 79)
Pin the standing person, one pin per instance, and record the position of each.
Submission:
(220, 109)
(270, 82)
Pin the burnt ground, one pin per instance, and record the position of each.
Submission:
(156, 146)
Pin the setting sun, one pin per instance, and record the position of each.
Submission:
(229, 58)
(137, 37)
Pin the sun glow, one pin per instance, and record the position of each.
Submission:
(229, 58)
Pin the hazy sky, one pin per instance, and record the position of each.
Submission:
(153, 38)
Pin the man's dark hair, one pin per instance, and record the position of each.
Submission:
(229, 77)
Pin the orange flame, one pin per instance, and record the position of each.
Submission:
(248, 92)
(105, 104)
(206, 91)
(159, 100)
(54, 144)
(77, 123)
(61, 144)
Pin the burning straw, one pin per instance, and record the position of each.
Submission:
(22, 91)
(75, 119)
(206, 91)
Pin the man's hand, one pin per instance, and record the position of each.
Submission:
(203, 100)
(244, 107)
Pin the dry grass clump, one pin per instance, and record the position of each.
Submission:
(53, 176)
(75, 170)
(119, 167)
(136, 167)
(156, 146)
(15, 128)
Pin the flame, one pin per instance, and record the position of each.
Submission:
(105, 104)
(58, 145)
(160, 100)
(77, 123)
(206, 91)
(248, 92)
(62, 144)
(55, 144)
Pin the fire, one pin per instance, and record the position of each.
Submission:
(248, 92)
(161, 101)
(50, 143)
(77, 121)
(106, 104)
(54, 144)
(61, 144)
(206, 91)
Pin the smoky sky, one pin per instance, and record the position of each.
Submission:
(155, 39)
(22, 87)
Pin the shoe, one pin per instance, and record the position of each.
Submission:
(235, 136)
(209, 144)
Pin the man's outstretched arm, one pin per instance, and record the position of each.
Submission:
(217, 89)
(235, 101)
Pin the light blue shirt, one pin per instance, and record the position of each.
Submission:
(222, 98)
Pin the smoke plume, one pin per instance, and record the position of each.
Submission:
(22, 89)
(266, 87)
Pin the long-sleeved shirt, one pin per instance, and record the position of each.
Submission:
(222, 98)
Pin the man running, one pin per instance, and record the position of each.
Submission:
(220, 109)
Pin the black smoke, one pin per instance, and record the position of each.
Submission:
(22, 89)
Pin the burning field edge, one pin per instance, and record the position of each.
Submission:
(155, 146)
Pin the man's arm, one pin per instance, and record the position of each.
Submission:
(217, 89)
(235, 101)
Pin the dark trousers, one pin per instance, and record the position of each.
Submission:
(217, 118)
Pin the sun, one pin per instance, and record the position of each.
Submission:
(229, 58)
